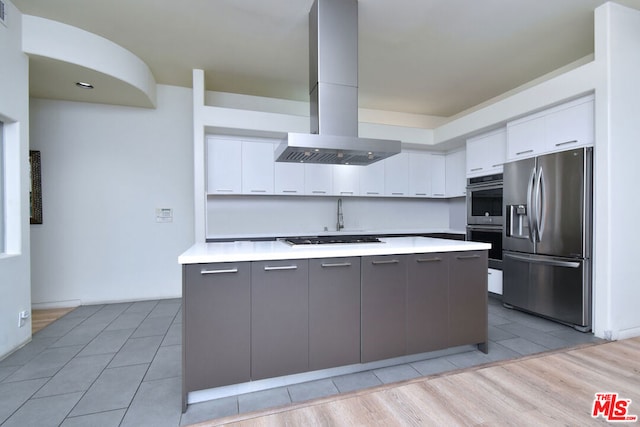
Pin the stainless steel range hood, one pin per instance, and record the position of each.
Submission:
(333, 85)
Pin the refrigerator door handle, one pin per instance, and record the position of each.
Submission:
(532, 210)
(552, 262)
(540, 204)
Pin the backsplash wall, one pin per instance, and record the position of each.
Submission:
(273, 215)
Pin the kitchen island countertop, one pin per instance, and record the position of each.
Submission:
(238, 251)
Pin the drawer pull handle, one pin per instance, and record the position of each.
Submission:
(224, 190)
(318, 192)
(467, 256)
(496, 165)
(283, 267)
(336, 264)
(258, 191)
(391, 261)
(573, 141)
(438, 194)
(428, 259)
(346, 192)
(476, 169)
(373, 192)
(289, 191)
(524, 152)
(228, 270)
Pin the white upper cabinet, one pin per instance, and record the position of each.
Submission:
(224, 166)
(572, 126)
(289, 178)
(419, 175)
(346, 180)
(318, 180)
(559, 128)
(257, 167)
(486, 153)
(438, 175)
(372, 179)
(525, 138)
(456, 181)
(396, 175)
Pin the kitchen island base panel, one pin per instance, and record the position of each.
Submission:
(289, 303)
(287, 380)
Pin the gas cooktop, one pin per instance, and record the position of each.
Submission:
(323, 240)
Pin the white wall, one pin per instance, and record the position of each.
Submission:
(617, 270)
(105, 169)
(14, 112)
(242, 215)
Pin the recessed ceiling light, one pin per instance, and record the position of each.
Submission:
(84, 85)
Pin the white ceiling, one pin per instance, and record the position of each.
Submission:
(434, 57)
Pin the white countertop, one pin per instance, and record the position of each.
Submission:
(276, 250)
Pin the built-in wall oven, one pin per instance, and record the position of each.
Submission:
(484, 200)
(488, 234)
(485, 216)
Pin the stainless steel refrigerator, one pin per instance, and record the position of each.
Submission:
(547, 236)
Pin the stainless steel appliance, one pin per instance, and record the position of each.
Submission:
(547, 236)
(488, 234)
(484, 214)
(484, 200)
(333, 91)
(325, 240)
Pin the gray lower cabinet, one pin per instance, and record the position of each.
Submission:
(334, 312)
(279, 318)
(216, 325)
(468, 299)
(384, 290)
(427, 302)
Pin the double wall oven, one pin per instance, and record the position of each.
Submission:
(484, 214)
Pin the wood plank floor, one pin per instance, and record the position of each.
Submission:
(41, 318)
(556, 388)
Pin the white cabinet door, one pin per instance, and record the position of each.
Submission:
(559, 128)
(486, 153)
(419, 175)
(396, 175)
(318, 180)
(372, 179)
(346, 180)
(495, 281)
(257, 167)
(224, 166)
(456, 182)
(438, 175)
(289, 178)
(525, 138)
(570, 127)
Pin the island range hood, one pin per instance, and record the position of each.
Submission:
(333, 85)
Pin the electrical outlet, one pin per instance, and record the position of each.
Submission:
(22, 318)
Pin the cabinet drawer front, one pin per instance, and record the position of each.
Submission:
(279, 318)
(427, 302)
(334, 312)
(216, 327)
(384, 284)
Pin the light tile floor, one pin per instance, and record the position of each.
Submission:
(120, 365)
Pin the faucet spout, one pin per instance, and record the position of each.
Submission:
(340, 222)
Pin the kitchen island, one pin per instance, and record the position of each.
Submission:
(263, 314)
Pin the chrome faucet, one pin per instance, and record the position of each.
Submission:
(340, 224)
